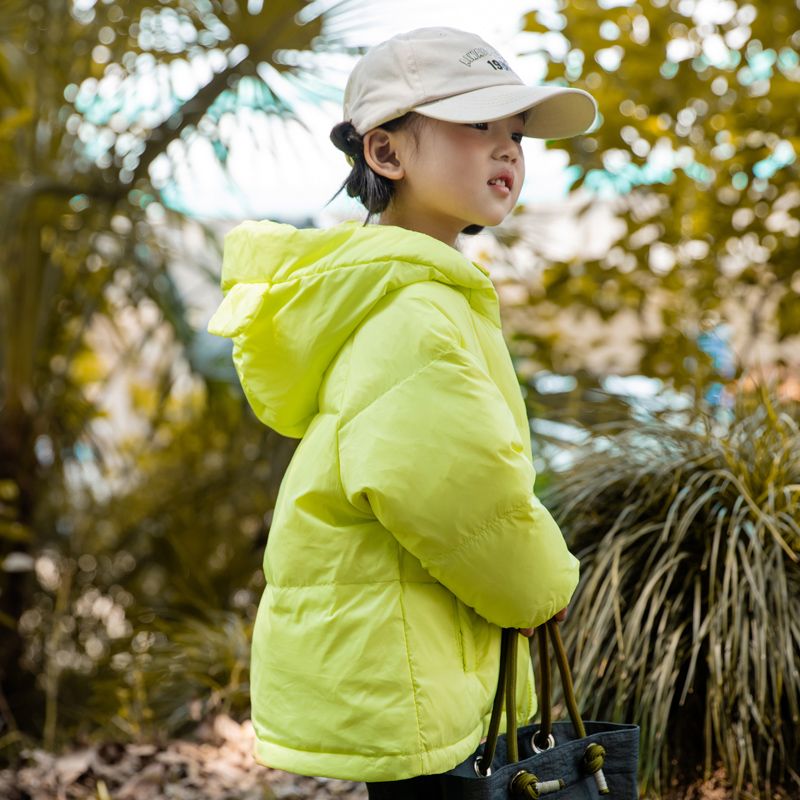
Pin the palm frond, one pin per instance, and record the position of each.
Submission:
(686, 617)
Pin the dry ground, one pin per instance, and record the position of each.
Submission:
(216, 765)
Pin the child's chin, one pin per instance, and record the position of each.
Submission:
(490, 222)
(485, 220)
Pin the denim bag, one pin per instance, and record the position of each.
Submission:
(554, 761)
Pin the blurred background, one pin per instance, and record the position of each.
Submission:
(650, 288)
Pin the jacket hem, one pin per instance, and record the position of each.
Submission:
(363, 767)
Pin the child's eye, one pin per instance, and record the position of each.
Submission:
(483, 126)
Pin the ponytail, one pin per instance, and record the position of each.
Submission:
(373, 191)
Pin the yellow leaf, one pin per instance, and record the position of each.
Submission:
(87, 367)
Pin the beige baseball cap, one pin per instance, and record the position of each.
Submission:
(452, 75)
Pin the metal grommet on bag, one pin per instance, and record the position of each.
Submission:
(477, 766)
(551, 743)
(550, 768)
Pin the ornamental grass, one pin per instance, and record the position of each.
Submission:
(687, 617)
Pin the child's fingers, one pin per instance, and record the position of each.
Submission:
(560, 617)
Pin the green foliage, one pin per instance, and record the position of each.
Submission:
(168, 677)
(137, 509)
(697, 143)
(140, 619)
(687, 617)
(96, 340)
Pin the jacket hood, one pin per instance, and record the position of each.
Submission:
(293, 297)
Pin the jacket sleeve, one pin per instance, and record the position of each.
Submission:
(438, 459)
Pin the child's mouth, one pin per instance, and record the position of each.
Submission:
(500, 185)
(503, 182)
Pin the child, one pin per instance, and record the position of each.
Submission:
(406, 532)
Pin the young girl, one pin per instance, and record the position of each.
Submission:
(406, 532)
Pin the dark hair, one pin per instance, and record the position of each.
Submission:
(374, 191)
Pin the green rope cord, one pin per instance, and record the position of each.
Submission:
(497, 707)
(566, 678)
(525, 784)
(593, 760)
(511, 698)
(546, 683)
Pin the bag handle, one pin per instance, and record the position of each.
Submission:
(506, 691)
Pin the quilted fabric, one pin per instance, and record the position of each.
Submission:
(406, 531)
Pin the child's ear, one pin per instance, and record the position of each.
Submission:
(381, 153)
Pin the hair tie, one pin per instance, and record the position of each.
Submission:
(347, 139)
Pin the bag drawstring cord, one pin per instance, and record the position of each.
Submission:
(593, 760)
(526, 784)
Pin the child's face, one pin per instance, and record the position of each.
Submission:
(450, 176)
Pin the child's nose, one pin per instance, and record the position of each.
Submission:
(507, 149)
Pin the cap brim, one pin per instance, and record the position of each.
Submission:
(555, 112)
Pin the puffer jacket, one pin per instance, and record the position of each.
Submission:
(406, 531)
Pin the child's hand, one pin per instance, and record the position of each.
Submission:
(560, 617)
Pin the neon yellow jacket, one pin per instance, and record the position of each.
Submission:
(406, 531)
